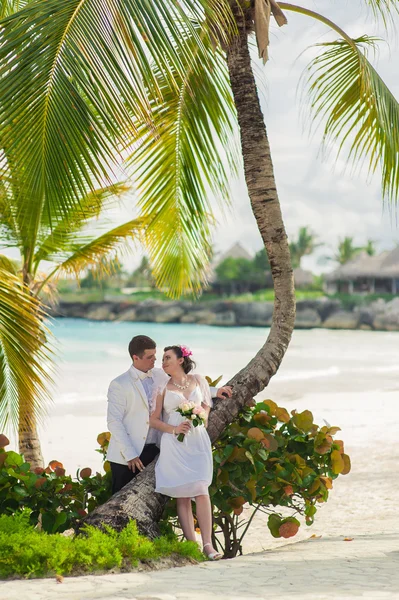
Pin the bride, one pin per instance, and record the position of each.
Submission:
(184, 469)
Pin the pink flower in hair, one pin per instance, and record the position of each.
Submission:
(185, 351)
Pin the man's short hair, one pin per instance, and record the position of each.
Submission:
(139, 344)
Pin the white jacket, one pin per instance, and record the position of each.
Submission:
(128, 414)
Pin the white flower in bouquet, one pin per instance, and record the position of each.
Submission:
(193, 413)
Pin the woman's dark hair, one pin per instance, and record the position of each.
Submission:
(139, 344)
(188, 364)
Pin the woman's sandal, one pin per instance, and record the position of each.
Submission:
(212, 555)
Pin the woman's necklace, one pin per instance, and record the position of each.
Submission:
(181, 387)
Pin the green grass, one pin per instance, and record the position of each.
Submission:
(267, 295)
(26, 552)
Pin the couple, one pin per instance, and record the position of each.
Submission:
(142, 404)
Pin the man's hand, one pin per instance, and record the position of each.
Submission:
(224, 392)
(134, 464)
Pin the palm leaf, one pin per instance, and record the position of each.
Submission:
(384, 9)
(9, 7)
(178, 169)
(99, 251)
(8, 223)
(64, 234)
(24, 354)
(346, 91)
(75, 73)
(7, 264)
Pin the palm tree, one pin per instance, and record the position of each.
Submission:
(370, 248)
(304, 245)
(75, 243)
(100, 76)
(346, 251)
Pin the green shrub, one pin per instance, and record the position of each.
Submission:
(27, 552)
(269, 458)
(54, 499)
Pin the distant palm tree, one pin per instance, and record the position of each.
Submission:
(370, 248)
(304, 245)
(346, 251)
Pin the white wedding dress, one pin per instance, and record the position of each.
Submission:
(184, 469)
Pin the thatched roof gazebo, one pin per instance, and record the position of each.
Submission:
(366, 274)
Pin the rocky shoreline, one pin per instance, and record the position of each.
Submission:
(319, 313)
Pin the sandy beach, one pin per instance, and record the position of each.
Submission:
(353, 384)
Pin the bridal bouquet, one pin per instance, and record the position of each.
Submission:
(193, 413)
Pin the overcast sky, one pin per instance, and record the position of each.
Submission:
(312, 191)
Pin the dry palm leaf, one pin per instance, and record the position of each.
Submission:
(262, 12)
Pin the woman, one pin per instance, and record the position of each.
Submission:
(184, 469)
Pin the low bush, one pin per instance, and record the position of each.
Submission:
(267, 459)
(27, 552)
(55, 500)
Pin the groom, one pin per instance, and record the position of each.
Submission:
(133, 444)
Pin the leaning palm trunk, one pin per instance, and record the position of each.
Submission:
(137, 500)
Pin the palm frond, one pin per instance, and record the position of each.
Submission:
(9, 7)
(8, 222)
(63, 236)
(99, 251)
(75, 73)
(25, 354)
(180, 167)
(384, 9)
(346, 91)
(7, 264)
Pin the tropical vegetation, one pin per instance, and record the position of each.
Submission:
(304, 245)
(277, 463)
(82, 84)
(28, 552)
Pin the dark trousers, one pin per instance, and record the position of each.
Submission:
(121, 474)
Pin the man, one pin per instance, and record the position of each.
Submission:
(133, 444)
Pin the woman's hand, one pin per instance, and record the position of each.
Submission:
(183, 428)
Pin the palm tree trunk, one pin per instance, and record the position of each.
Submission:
(29, 444)
(28, 438)
(137, 500)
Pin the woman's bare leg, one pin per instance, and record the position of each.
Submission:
(204, 516)
(185, 514)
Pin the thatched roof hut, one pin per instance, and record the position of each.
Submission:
(369, 274)
(302, 278)
(236, 251)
